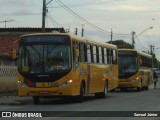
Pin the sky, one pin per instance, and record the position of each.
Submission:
(97, 17)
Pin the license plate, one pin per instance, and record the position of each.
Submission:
(43, 92)
(42, 84)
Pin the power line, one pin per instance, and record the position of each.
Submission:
(80, 18)
(141, 43)
(54, 22)
(122, 34)
(86, 21)
(20, 14)
(81, 4)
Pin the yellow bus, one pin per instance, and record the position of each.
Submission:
(61, 65)
(134, 69)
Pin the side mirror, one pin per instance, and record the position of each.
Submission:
(140, 61)
(25, 68)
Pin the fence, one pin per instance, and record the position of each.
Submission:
(8, 78)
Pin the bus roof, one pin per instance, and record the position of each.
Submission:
(140, 53)
(80, 39)
(94, 42)
(51, 33)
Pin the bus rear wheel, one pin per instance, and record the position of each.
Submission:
(104, 93)
(36, 100)
(146, 87)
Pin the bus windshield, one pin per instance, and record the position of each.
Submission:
(44, 57)
(128, 62)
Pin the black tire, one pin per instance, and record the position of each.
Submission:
(123, 89)
(139, 89)
(147, 88)
(104, 93)
(80, 97)
(36, 100)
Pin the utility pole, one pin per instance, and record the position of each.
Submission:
(5, 21)
(111, 36)
(133, 36)
(82, 34)
(133, 42)
(76, 31)
(152, 50)
(44, 14)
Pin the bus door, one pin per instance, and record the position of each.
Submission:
(80, 65)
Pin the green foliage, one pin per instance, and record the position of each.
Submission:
(121, 44)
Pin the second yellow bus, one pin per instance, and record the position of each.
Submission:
(134, 69)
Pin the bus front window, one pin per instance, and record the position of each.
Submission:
(42, 59)
(127, 63)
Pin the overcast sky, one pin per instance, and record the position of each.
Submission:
(122, 16)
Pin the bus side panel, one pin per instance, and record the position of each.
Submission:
(102, 73)
(96, 78)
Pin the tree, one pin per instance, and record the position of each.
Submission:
(121, 44)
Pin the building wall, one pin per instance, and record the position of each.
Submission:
(8, 79)
(7, 62)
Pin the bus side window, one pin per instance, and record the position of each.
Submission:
(85, 52)
(94, 54)
(108, 56)
(142, 61)
(88, 53)
(82, 52)
(100, 55)
(75, 57)
(150, 62)
(105, 56)
(114, 57)
(111, 58)
(97, 54)
(146, 62)
(91, 49)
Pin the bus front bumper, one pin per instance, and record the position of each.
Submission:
(129, 84)
(47, 91)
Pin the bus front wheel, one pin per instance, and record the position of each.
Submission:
(35, 99)
(80, 97)
(139, 89)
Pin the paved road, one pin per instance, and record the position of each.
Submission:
(116, 101)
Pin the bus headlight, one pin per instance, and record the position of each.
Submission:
(65, 84)
(137, 78)
(22, 84)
